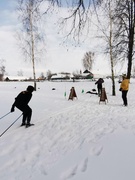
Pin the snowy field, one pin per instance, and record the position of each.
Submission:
(71, 140)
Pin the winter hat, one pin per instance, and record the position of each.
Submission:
(30, 88)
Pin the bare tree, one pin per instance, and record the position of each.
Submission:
(2, 69)
(20, 73)
(79, 17)
(133, 71)
(121, 16)
(125, 32)
(111, 54)
(106, 28)
(123, 19)
(2, 66)
(42, 75)
(49, 75)
(30, 16)
(88, 60)
(84, 18)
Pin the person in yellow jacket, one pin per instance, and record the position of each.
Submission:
(124, 87)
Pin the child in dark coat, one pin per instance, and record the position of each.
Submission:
(21, 102)
(99, 83)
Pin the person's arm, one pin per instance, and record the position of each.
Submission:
(13, 107)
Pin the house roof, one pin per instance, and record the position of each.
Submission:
(86, 71)
(16, 77)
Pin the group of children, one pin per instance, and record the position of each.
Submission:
(23, 98)
(124, 87)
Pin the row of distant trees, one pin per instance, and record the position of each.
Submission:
(87, 63)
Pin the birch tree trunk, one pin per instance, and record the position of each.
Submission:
(111, 50)
(32, 47)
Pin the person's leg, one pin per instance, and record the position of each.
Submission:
(124, 97)
(24, 119)
(24, 115)
(29, 114)
(98, 91)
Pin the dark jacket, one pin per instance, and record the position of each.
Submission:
(22, 99)
(99, 83)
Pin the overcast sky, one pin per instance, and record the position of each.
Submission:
(58, 56)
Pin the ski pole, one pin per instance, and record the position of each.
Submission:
(5, 115)
(10, 126)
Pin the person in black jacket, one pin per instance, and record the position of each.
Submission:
(21, 102)
(99, 83)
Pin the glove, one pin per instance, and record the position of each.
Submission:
(120, 89)
(12, 109)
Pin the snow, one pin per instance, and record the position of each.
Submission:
(71, 140)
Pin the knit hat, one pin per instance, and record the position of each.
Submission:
(30, 88)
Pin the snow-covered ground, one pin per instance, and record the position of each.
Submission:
(71, 140)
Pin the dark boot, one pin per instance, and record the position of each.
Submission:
(23, 124)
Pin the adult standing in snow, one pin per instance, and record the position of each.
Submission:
(124, 89)
(99, 83)
(21, 102)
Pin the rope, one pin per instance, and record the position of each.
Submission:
(10, 126)
(5, 115)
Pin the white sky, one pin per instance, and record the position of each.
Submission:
(57, 57)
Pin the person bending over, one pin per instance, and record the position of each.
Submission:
(21, 102)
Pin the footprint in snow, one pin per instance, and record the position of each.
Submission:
(73, 171)
(83, 165)
(69, 173)
(96, 150)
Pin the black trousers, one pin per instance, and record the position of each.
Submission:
(99, 91)
(124, 97)
(27, 113)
